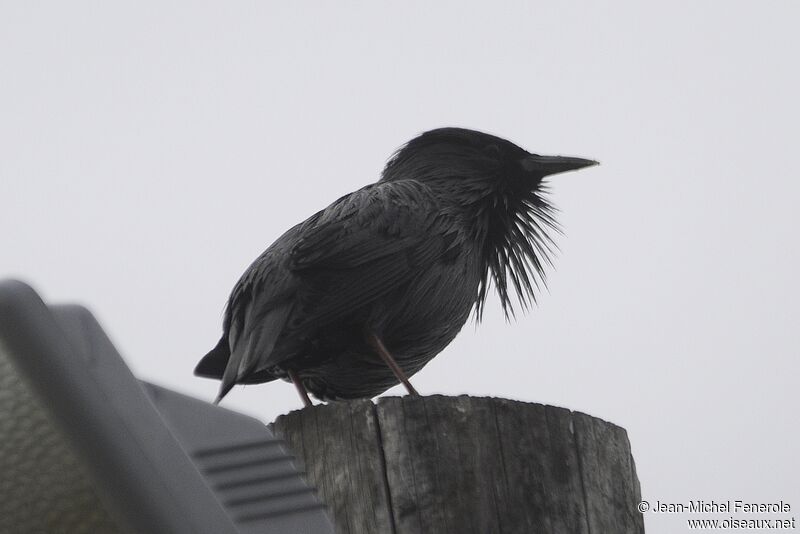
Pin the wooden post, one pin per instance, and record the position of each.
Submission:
(440, 465)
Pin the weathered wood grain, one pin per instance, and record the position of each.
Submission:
(460, 465)
(339, 447)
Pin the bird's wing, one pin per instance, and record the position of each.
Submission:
(356, 250)
(366, 245)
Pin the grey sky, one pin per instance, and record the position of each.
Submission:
(149, 152)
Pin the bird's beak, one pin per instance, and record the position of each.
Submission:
(547, 165)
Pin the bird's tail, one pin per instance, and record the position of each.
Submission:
(213, 364)
(237, 366)
(248, 362)
(223, 390)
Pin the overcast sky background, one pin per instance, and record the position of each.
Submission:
(149, 152)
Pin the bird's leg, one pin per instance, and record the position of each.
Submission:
(301, 389)
(380, 348)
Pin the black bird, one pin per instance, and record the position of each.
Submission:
(364, 293)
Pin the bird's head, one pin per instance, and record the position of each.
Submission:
(498, 189)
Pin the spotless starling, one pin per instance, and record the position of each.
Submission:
(361, 295)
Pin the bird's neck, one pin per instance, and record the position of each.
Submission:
(479, 209)
(510, 232)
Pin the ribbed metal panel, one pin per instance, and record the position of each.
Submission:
(247, 467)
(88, 448)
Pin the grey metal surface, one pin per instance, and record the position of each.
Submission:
(44, 486)
(125, 455)
(245, 464)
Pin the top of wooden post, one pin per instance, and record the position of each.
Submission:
(463, 464)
